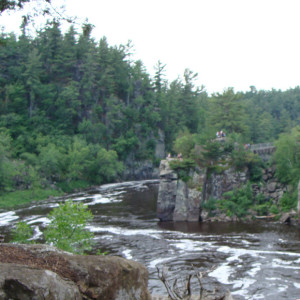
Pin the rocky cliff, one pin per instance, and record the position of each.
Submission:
(43, 272)
(182, 201)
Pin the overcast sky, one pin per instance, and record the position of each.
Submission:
(229, 43)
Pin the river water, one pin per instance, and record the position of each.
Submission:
(254, 261)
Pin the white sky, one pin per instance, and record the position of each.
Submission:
(229, 43)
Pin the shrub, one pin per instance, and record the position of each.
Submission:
(22, 233)
(262, 209)
(182, 168)
(210, 205)
(67, 228)
(237, 202)
(288, 201)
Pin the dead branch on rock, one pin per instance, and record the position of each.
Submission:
(182, 290)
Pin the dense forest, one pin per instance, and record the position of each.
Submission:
(75, 112)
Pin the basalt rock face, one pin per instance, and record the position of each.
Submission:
(43, 272)
(218, 184)
(176, 200)
(181, 201)
(167, 192)
(271, 188)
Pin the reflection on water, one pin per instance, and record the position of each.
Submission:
(255, 261)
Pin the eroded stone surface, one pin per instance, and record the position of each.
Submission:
(43, 272)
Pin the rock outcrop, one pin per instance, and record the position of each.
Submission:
(182, 201)
(176, 200)
(271, 188)
(43, 272)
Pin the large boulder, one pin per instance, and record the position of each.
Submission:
(43, 272)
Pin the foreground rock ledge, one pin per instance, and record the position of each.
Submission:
(44, 272)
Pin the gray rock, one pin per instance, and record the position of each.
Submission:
(23, 282)
(43, 272)
(271, 186)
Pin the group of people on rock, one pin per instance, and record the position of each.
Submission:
(179, 156)
(220, 134)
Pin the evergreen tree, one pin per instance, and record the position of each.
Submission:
(227, 112)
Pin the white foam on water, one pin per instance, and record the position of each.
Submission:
(272, 278)
(127, 253)
(106, 237)
(278, 263)
(188, 245)
(245, 242)
(282, 262)
(115, 194)
(99, 199)
(243, 284)
(222, 273)
(255, 253)
(134, 184)
(297, 285)
(43, 220)
(282, 288)
(158, 261)
(81, 198)
(52, 205)
(242, 289)
(126, 232)
(7, 217)
(36, 233)
(254, 270)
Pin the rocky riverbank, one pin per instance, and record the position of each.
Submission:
(44, 272)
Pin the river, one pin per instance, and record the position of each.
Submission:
(260, 260)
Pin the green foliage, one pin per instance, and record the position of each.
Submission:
(288, 201)
(237, 202)
(67, 228)
(184, 144)
(241, 158)
(211, 206)
(208, 155)
(183, 168)
(274, 210)
(287, 157)
(100, 252)
(227, 112)
(22, 233)
(262, 209)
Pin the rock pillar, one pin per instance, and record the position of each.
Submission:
(177, 200)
